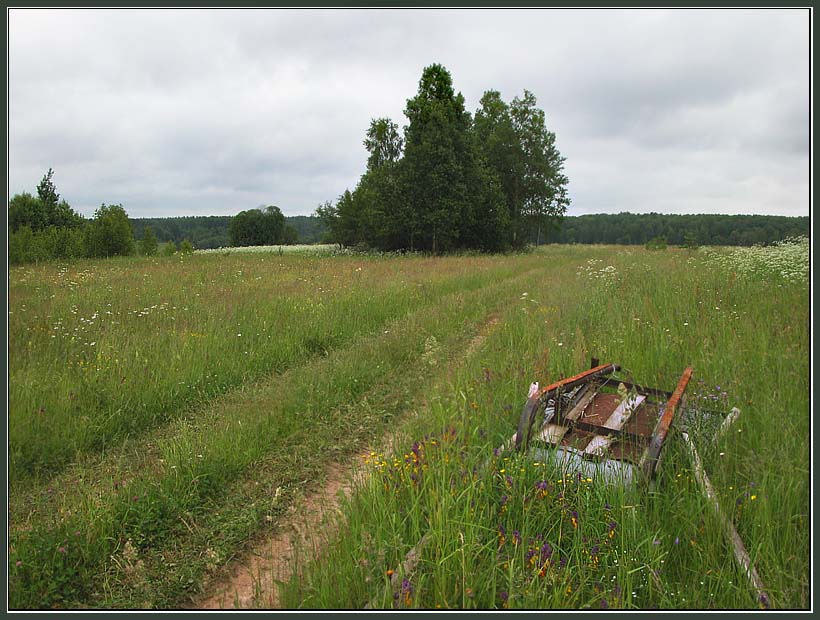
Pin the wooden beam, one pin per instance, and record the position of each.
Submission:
(551, 433)
(739, 549)
(600, 444)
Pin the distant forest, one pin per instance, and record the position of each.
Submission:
(639, 228)
(211, 231)
(622, 228)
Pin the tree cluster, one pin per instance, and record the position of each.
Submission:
(260, 227)
(45, 227)
(451, 181)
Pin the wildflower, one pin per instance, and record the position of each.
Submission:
(656, 542)
(407, 591)
(504, 596)
(61, 549)
(390, 572)
(502, 535)
(18, 563)
(611, 529)
(545, 553)
(574, 519)
(516, 537)
(604, 604)
(677, 540)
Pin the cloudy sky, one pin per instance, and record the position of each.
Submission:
(209, 112)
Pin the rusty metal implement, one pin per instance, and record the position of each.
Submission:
(594, 423)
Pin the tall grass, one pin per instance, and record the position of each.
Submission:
(102, 351)
(522, 534)
(212, 435)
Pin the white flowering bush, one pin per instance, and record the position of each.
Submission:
(787, 260)
(595, 270)
(326, 248)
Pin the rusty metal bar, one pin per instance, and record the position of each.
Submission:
(571, 382)
(534, 402)
(650, 457)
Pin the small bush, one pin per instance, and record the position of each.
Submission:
(656, 243)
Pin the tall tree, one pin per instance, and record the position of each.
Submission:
(383, 142)
(436, 156)
(501, 147)
(148, 244)
(109, 233)
(46, 190)
(545, 198)
(521, 151)
(257, 227)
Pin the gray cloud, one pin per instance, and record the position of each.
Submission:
(184, 112)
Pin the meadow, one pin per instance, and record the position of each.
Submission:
(164, 413)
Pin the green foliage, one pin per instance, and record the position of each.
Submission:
(42, 211)
(258, 227)
(203, 231)
(656, 243)
(690, 240)
(186, 247)
(109, 233)
(383, 142)
(26, 210)
(458, 184)
(169, 248)
(148, 244)
(638, 228)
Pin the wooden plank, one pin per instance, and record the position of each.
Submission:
(600, 444)
(641, 389)
(551, 433)
(741, 555)
(581, 406)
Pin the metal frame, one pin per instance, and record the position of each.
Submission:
(601, 460)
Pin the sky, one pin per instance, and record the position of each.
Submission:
(211, 112)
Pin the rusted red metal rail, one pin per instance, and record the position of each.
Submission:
(650, 457)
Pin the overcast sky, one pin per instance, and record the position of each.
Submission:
(210, 112)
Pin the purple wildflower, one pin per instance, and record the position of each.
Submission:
(546, 552)
(529, 555)
(516, 537)
(604, 604)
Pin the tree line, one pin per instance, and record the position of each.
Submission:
(211, 231)
(45, 227)
(701, 229)
(451, 181)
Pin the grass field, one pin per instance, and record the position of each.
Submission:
(166, 412)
